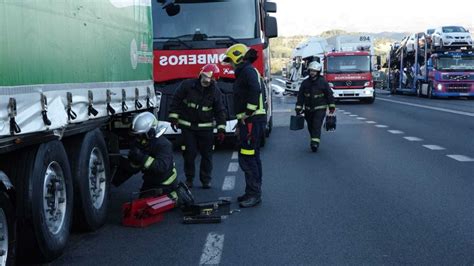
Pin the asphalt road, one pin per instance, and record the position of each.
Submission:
(392, 185)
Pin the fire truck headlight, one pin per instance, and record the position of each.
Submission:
(368, 92)
(331, 85)
(440, 86)
(367, 84)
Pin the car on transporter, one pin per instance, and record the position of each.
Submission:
(451, 36)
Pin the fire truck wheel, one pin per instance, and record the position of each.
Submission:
(91, 176)
(7, 231)
(44, 180)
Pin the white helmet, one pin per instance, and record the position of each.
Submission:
(316, 66)
(146, 124)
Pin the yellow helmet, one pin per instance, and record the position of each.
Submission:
(235, 53)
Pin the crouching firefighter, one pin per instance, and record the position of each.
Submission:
(151, 153)
(314, 97)
(249, 107)
(196, 109)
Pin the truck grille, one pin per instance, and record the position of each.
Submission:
(349, 83)
(457, 77)
(461, 87)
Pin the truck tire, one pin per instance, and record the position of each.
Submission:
(7, 231)
(45, 185)
(91, 178)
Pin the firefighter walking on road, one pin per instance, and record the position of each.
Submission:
(314, 97)
(196, 109)
(250, 112)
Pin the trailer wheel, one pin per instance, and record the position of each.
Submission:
(7, 231)
(91, 176)
(44, 178)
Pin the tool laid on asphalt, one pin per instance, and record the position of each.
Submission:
(205, 212)
(145, 211)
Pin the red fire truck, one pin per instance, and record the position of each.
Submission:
(349, 75)
(348, 69)
(199, 34)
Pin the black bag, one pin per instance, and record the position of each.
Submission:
(297, 122)
(330, 123)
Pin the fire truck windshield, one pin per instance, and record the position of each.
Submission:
(348, 64)
(460, 63)
(235, 19)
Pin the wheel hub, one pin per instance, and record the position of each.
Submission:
(54, 203)
(97, 178)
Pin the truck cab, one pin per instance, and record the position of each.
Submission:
(449, 74)
(349, 75)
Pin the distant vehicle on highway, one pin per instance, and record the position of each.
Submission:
(451, 36)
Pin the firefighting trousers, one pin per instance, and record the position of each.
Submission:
(250, 136)
(315, 122)
(195, 141)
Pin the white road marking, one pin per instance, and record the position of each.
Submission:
(353, 115)
(413, 139)
(395, 131)
(233, 167)
(229, 183)
(460, 158)
(212, 252)
(381, 126)
(347, 113)
(340, 110)
(434, 147)
(370, 122)
(430, 107)
(235, 155)
(361, 118)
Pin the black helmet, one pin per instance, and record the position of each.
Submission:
(330, 124)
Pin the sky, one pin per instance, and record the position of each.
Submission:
(311, 17)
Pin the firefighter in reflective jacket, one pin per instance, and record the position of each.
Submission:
(151, 153)
(250, 112)
(197, 108)
(314, 97)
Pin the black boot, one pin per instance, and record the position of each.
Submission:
(251, 201)
(314, 147)
(242, 198)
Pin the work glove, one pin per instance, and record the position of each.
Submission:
(137, 156)
(220, 136)
(332, 110)
(174, 125)
(298, 111)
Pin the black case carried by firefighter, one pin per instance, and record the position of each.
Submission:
(297, 122)
(330, 123)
